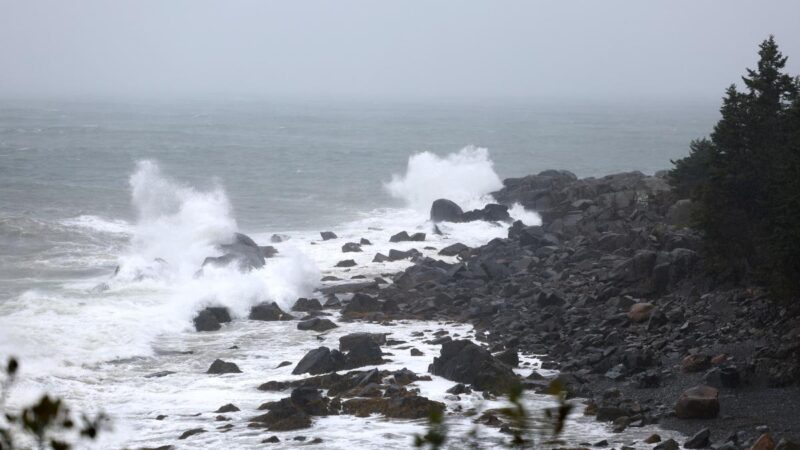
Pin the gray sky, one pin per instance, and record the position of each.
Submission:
(374, 48)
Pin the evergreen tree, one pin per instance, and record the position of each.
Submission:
(745, 179)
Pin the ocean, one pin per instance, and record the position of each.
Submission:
(87, 186)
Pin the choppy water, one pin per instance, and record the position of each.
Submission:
(87, 186)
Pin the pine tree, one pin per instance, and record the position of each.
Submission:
(745, 180)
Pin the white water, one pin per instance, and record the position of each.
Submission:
(95, 347)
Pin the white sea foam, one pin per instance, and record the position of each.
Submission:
(96, 223)
(464, 177)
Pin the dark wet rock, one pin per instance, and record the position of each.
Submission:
(320, 360)
(443, 210)
(364, 241)
(699, 402)
(701, 439)
(327, 235)
(267, 251)
(348, 287)
(362, 349)
(160, 374)
(316, 324)
(230, 407)
(306, 304)
(268, 311)
(283, 364)
(294, 412)
(695, 363)
(210, 318)
(397, 255)
(416, 352)
(652, 439)
(192, 432)
(459, 389)
(490, 213)
(361, 303)
(417, 237)
(509, 356)
(400, 237)
(669, 444)
(351, 247)
(400, 407)
(454, 249)
(242, 250)
(271, 440)
(346, 263)
(465, 362)
(332, 302)
(278, 238)
(220, 367)
(350, 341)
(380, 257)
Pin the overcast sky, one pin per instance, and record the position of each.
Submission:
(376, 48)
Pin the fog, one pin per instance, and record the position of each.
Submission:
(376, 49)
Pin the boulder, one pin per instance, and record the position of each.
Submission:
(306, 304)
(640, 312)
(346, 263)
(695, 363)
(492, 212)
(397, 255)
(268, 251)
(443, 210)
(361, 303)
(362, 349)
(699, 402)
(399, 407)
(316, 324)
(268, 311)
(320, 360)
(400, 237)
(327, 235)
(669, 444)
(351, 247)
(453, 250)
(210, 318)
(242, 250)
(701, 439)
(350, 341)
(230, 407)
(465, 362)
(764, 442)
(192, 432)
(220, 367)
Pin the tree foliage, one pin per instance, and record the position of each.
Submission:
(48, 422)
(745, 179)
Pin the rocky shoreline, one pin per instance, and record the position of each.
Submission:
(612, 288)
(610, 291)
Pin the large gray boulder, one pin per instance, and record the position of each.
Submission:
(466, 362)
(443, 210)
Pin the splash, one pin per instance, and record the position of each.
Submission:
(466, 177)
(177, 226)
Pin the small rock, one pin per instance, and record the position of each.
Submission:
(220, 367)
(192, 432)
(230, 407)
(326, 236)
(701, 439)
